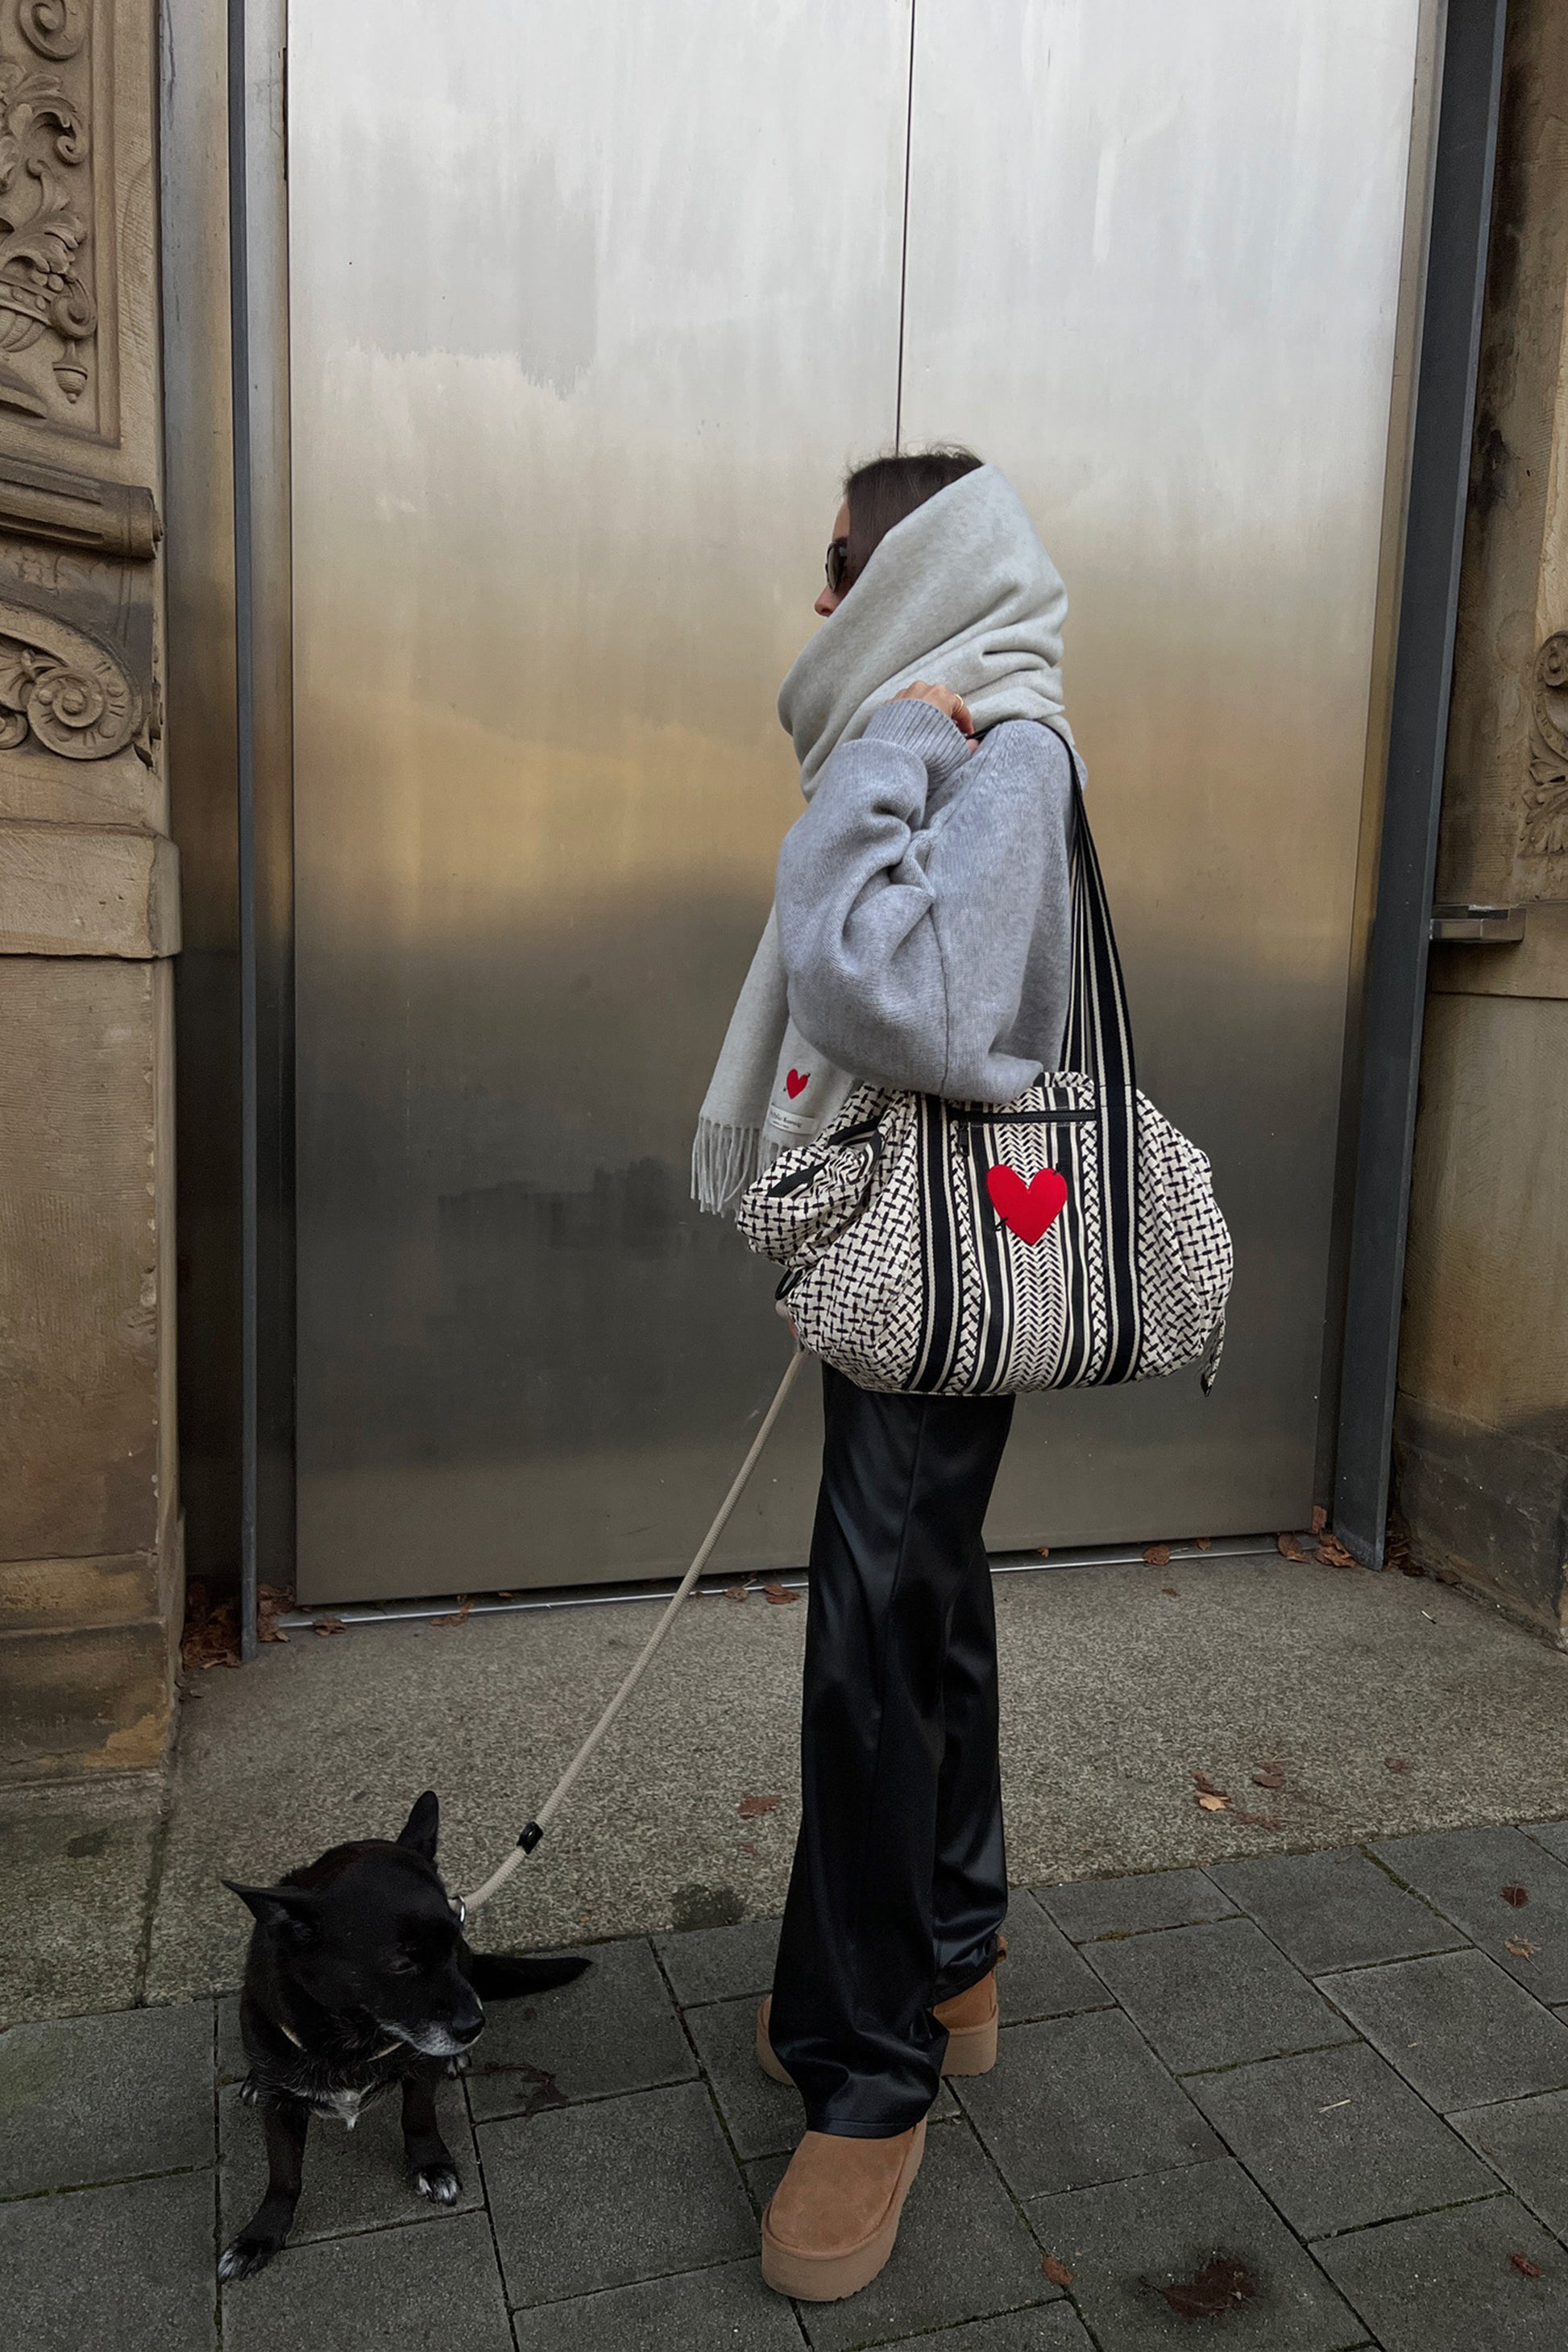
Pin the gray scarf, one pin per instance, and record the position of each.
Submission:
(963, 594)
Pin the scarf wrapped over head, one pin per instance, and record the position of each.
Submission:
(962, 594)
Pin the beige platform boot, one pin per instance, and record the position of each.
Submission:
(831, 2223)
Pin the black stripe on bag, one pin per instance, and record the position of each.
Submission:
(1100, 1043)
(939, 1251)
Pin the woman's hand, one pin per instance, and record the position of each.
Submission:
(952, 706)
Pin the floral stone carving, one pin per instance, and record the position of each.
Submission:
(46, 205)
(62, 688)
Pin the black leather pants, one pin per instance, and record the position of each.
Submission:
(899, 1881)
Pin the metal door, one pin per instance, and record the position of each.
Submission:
(588, 309)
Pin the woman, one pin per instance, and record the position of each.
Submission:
(920, 939)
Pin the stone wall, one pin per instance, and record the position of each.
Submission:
(90, 1577)
(1481, 1428)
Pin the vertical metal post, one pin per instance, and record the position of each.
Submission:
(1397, 972)
(258, 262)
(245, 697)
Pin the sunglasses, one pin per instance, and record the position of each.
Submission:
(838, 566)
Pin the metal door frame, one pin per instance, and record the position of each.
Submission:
(245, 125)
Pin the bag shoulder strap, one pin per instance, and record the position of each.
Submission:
(1099, 1039)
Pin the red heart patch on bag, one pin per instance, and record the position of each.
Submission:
(797, 1083)
(1028, 1210)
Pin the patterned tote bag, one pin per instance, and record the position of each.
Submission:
(1068, 1239)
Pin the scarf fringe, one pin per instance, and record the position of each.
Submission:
(724, 1161)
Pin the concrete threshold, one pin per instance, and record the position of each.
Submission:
(712, 1588)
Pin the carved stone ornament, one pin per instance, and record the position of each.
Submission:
(62, 688)
(46, 205)
(1546, 797)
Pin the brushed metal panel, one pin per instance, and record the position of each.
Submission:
(589, 307)
(1161, 290)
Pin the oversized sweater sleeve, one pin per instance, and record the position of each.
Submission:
(922, 897)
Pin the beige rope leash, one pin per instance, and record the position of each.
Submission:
(533, 1831)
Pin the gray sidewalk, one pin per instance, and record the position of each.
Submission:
(1304, 2102)
(1395, 1704)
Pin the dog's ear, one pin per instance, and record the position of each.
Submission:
(419, 1831)
(279, 1906)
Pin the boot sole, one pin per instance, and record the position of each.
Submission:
(971, 2049)
(828, 2278)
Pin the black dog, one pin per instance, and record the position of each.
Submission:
(360, 1977)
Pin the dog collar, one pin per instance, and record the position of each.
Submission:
(376, 2054)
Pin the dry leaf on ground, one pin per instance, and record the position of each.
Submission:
(1205, 1787)
(751, 1808)
(1516, 1897)
(744, 1845)
(1524, 2266)
(1269, 1776)
(1045, 1551)
(1331, 1553)
(1058, 2272)
(1158, 1555)
(457, 1615)
(1259, 1821)
(1174, 1590)
(1204, 1542)
(211, 1636)
(1396, 1764)
(735, 1591)
(1216, 2289)
(1290, 1549)
(1215, 1804)
(779, 1594)
(1521, 1947)
(1320, 1519)
(270, 1603)
(328, 1625)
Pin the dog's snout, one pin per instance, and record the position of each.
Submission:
(468, 2029)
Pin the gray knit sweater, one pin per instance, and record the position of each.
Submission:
(923, 906)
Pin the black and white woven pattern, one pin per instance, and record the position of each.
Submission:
(904, 1272)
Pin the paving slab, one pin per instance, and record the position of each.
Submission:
(1073, 2101)
(725, 2309)
(1130, 1907)
(1215, 1996)
(719, 1963)
(1126, 2242)
(100, 2099)
(1447, 2282)
(353, 2180)
(1527, 2141)
(415, 2290)
(229, 2059)
(124, 2269)
(1049, 2328)
(964, 2252)
(614, 2192)
(1336, 2139)
(1042, 1976)
(1457, 2029)
(1333, 1910)
(1553, 1836)
(76, 1868)
(1464, 1873)
(613, 2029)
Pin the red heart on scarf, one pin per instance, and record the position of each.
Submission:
(1028, 1210)
(797, 1083)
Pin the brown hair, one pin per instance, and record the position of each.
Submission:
(882, 494)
